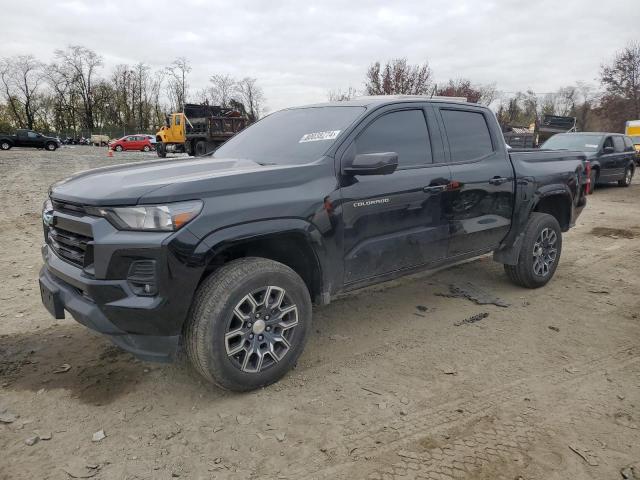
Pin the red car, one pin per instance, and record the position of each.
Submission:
(132, 142)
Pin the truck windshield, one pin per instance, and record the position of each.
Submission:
(294, 136)
(573, 141)
(635, 139)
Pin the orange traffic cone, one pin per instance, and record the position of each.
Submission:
(110, 153)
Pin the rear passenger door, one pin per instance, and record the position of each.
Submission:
(393, 222)
(480, 201)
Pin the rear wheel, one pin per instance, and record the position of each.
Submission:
(248, 324)
(146, 148)
(4, 145)
(201, 148)
(628, 176)
(539, 254)
(118, 148)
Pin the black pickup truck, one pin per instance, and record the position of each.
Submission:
(223, 256)
(28, 138)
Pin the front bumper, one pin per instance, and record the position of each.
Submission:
(100, 295)
(75, 298)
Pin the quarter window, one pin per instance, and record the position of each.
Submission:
(468, 134)
(403, 132)
(618, 143)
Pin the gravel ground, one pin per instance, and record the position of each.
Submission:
(393, 383)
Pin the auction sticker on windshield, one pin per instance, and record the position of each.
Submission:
(590, 145)
(318, 136)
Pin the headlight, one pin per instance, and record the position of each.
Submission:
(165, 218)
(47, 211)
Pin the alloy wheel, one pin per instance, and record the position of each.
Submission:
(545, 251)
(261, 328)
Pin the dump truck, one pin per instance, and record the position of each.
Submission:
(198, 130)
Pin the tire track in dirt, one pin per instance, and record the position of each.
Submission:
(461, 439)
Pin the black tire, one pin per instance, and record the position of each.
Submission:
(4, 145)
(161, 150)
(146, 148)
(118, 148)
(201, 148)
(213, 317)
(524, 272)
(628, 176)
(594, 179)
(51, 146)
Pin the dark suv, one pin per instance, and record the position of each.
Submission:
(612, 155)
(224, 255)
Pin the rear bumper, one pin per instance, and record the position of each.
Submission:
(77, 302)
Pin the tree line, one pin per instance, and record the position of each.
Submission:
(73, 95)
(604, 107)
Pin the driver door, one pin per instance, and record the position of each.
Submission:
(396, 221)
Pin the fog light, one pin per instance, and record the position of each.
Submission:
(142, 277)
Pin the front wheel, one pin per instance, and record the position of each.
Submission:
(146, 148)
(248, 324)
(539, 254)
(118, 148)
(51, 146)
(161, 150)
(628, 176)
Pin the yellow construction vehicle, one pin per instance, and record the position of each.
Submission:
(199, 130)
(632, 129)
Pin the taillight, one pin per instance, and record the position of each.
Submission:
(587, 171)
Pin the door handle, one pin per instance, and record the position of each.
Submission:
(435, 188)
(498, 180)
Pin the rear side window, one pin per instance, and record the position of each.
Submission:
(468, 134)
(618, 143)
(404, 132)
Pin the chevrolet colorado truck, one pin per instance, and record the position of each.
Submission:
(28, 138)
(223, 256)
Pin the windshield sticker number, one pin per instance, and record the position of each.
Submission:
(590, 145)
(318, 136)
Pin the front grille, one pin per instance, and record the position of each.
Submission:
(68, 207)
(69, 246)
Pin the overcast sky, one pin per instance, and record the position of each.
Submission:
(299, 50)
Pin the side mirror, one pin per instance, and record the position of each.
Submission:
(382, 163)
(608, 150)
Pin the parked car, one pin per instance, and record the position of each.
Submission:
(99, 140)
(226, 254)
(132, 142)
(612, 155)
(28, 138)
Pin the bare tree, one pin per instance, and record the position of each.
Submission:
(339, 95)
(83, 64)
(252, 97)
(398, 77)
(621, 82)
(177, 86)
(222, 89)
(22, 77)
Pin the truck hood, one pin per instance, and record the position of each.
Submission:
(127, 184)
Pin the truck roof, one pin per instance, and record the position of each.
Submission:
(378, 100)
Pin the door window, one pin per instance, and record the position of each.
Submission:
(618, 143)
(32, 134)
(608, 143)
(403, 132)
(177, 119)
(468, 134)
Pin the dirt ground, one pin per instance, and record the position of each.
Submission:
(393, 383)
